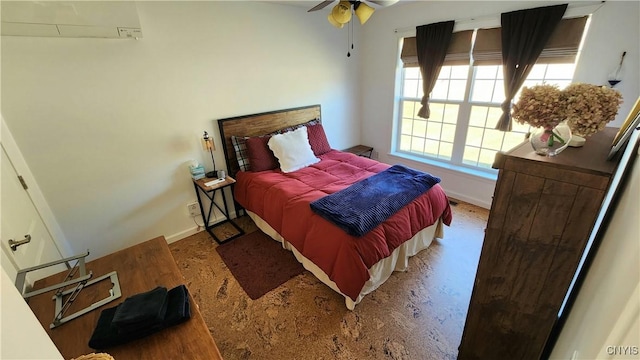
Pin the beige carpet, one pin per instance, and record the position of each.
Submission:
(418, 314)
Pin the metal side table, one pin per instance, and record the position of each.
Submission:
(203, 186)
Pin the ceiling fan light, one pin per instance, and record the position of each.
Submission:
(341, 13)
(333, 22)
(364, 12)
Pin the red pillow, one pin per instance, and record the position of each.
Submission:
(318, 139)
(260, 156)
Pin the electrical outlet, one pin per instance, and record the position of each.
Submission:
(193, 208)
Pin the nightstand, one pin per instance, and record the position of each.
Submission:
(360, 150)
(210, 193)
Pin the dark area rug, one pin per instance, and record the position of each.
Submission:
(259, 263)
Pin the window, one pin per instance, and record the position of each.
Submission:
(465, 102)
(464, 113)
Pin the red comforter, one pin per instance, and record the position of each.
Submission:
(282, 200)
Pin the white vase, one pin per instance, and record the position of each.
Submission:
(577, 140)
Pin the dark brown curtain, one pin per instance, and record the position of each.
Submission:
(432, 42)
(524, 35)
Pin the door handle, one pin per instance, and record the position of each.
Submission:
(14, 244)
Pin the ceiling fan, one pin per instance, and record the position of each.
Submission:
(341, 13)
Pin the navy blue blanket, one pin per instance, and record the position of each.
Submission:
(362, 206)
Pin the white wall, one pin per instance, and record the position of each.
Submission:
(604, 45)
(106, 126)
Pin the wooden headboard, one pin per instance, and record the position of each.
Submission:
(261, 124)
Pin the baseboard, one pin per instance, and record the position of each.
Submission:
(193, 230)
(183, 234)
(473, 201)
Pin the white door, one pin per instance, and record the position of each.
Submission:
(20, 218)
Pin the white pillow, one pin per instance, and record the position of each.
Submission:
(292, 150)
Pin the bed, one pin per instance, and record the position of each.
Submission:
(279, 203)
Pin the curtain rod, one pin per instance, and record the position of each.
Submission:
(572, 11)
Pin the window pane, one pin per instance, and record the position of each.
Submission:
(471, 155)
(431, 147)
(419, 128)
(456, 89)
(412, 73)
(451, 113)
(446, 149)
(406, 127)
(560, 71)
(498, 93)
(482, 90)
(445, 72)
(433, 130)
(492, 139)
(474, 136)
(521, 128)
(410, 88)
(478, 116)
(405, 143)
(537, 72)
(460, 72)
(417, 144)
(440, 90)
(530, 83)
(486, 72)
(486, 158)
(493, 116)
(437, 111)
(448, 132)
(409, 109)
(511, 140)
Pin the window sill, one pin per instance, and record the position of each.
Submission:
(461, 169)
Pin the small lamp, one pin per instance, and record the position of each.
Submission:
(207, 144)
(363, 11)
(340, 14)
(333, 22)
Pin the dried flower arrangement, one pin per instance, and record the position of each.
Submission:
(540, 106)
(587, 108)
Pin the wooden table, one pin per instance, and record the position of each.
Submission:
(140, 268)
(360, 150)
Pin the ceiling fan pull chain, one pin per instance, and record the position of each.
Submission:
(351, 35)
(348, 40)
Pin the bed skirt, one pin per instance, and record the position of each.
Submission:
(379, 272)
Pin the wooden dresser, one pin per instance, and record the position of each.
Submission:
(140, 268)
(542, 214)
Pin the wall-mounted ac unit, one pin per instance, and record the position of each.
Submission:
(98, 19)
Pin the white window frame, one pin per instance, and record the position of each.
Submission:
(457, 161)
